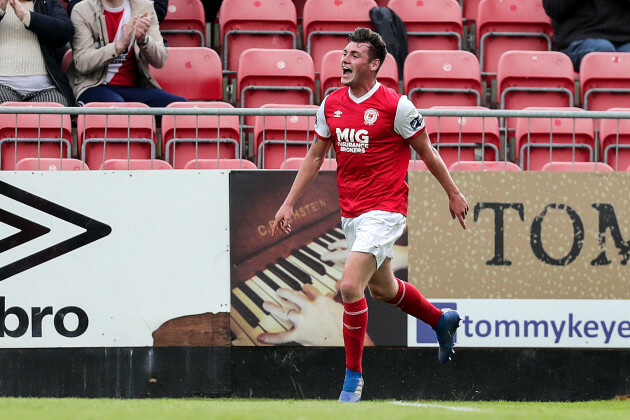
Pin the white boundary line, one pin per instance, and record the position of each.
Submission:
(428, 405)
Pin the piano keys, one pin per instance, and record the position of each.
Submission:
(262, 264)
(301, 267)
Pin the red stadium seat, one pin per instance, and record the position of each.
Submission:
(543, 140)
(505, 25)
(33, 135)
(184, 24)
(431, 25)
(134, 164)
(436, 78)
(222, 163)
(417, 165)
(51, 164)
(327, 23)
(614, 140)
(576, 167)
(605, 81)
(464, 138)
(190, 137)
(255, 23)
(200, 65)
(277, 138)
(484, 166)
(275, 76)
(330, 75)
(115, 136)
(542, 78)
(330, 164)
(469, 10)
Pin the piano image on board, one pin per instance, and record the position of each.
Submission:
(262, 263)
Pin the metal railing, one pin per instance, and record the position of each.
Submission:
(458, 144)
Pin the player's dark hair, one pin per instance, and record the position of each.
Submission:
(377, 47)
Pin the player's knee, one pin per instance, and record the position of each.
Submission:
(350, 290)
(379, 293)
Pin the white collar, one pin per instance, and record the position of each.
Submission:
(367, 95)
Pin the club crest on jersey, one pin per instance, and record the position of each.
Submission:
(370, 116)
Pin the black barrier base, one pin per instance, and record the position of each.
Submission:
(416, 374)
(303, 372)
(144, 372)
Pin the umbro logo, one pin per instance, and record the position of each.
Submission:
(23, 230)
(337, 114)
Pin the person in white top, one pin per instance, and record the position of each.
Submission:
(32, 34)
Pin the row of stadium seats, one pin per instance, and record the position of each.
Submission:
(501, 25)
(70, 164)
(276, 138)
(435, 77)
(431, 78)
(468, 8)
(431, 25)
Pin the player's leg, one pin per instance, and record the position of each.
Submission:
(357, 271)
(387, 288)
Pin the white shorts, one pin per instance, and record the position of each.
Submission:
(374, 232)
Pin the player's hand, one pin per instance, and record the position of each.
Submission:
(3, 4)
(282, 220)
(316, 322)
(459, 208)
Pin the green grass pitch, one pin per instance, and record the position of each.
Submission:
(69, 408)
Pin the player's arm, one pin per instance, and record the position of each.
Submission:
(307, 172)
(457, 202)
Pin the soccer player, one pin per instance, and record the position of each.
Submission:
(371, 128)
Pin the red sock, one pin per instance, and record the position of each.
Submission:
(355, 319)
(411, 302)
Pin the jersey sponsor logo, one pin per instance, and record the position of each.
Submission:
(352, 140)
(337, 114)
(370, 116)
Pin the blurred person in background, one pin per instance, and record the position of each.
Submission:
(32, 34)
(584, 26)
(160, 6)
(114, 43)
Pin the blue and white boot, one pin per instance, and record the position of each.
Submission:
(352, 387)
(445, 330)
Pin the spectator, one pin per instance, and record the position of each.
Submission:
(160, 7)
(584, 26)
(30, 64)
(114, 43)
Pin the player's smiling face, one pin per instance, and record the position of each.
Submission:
(356, 66)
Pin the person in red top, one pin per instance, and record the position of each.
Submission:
(371, 128)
